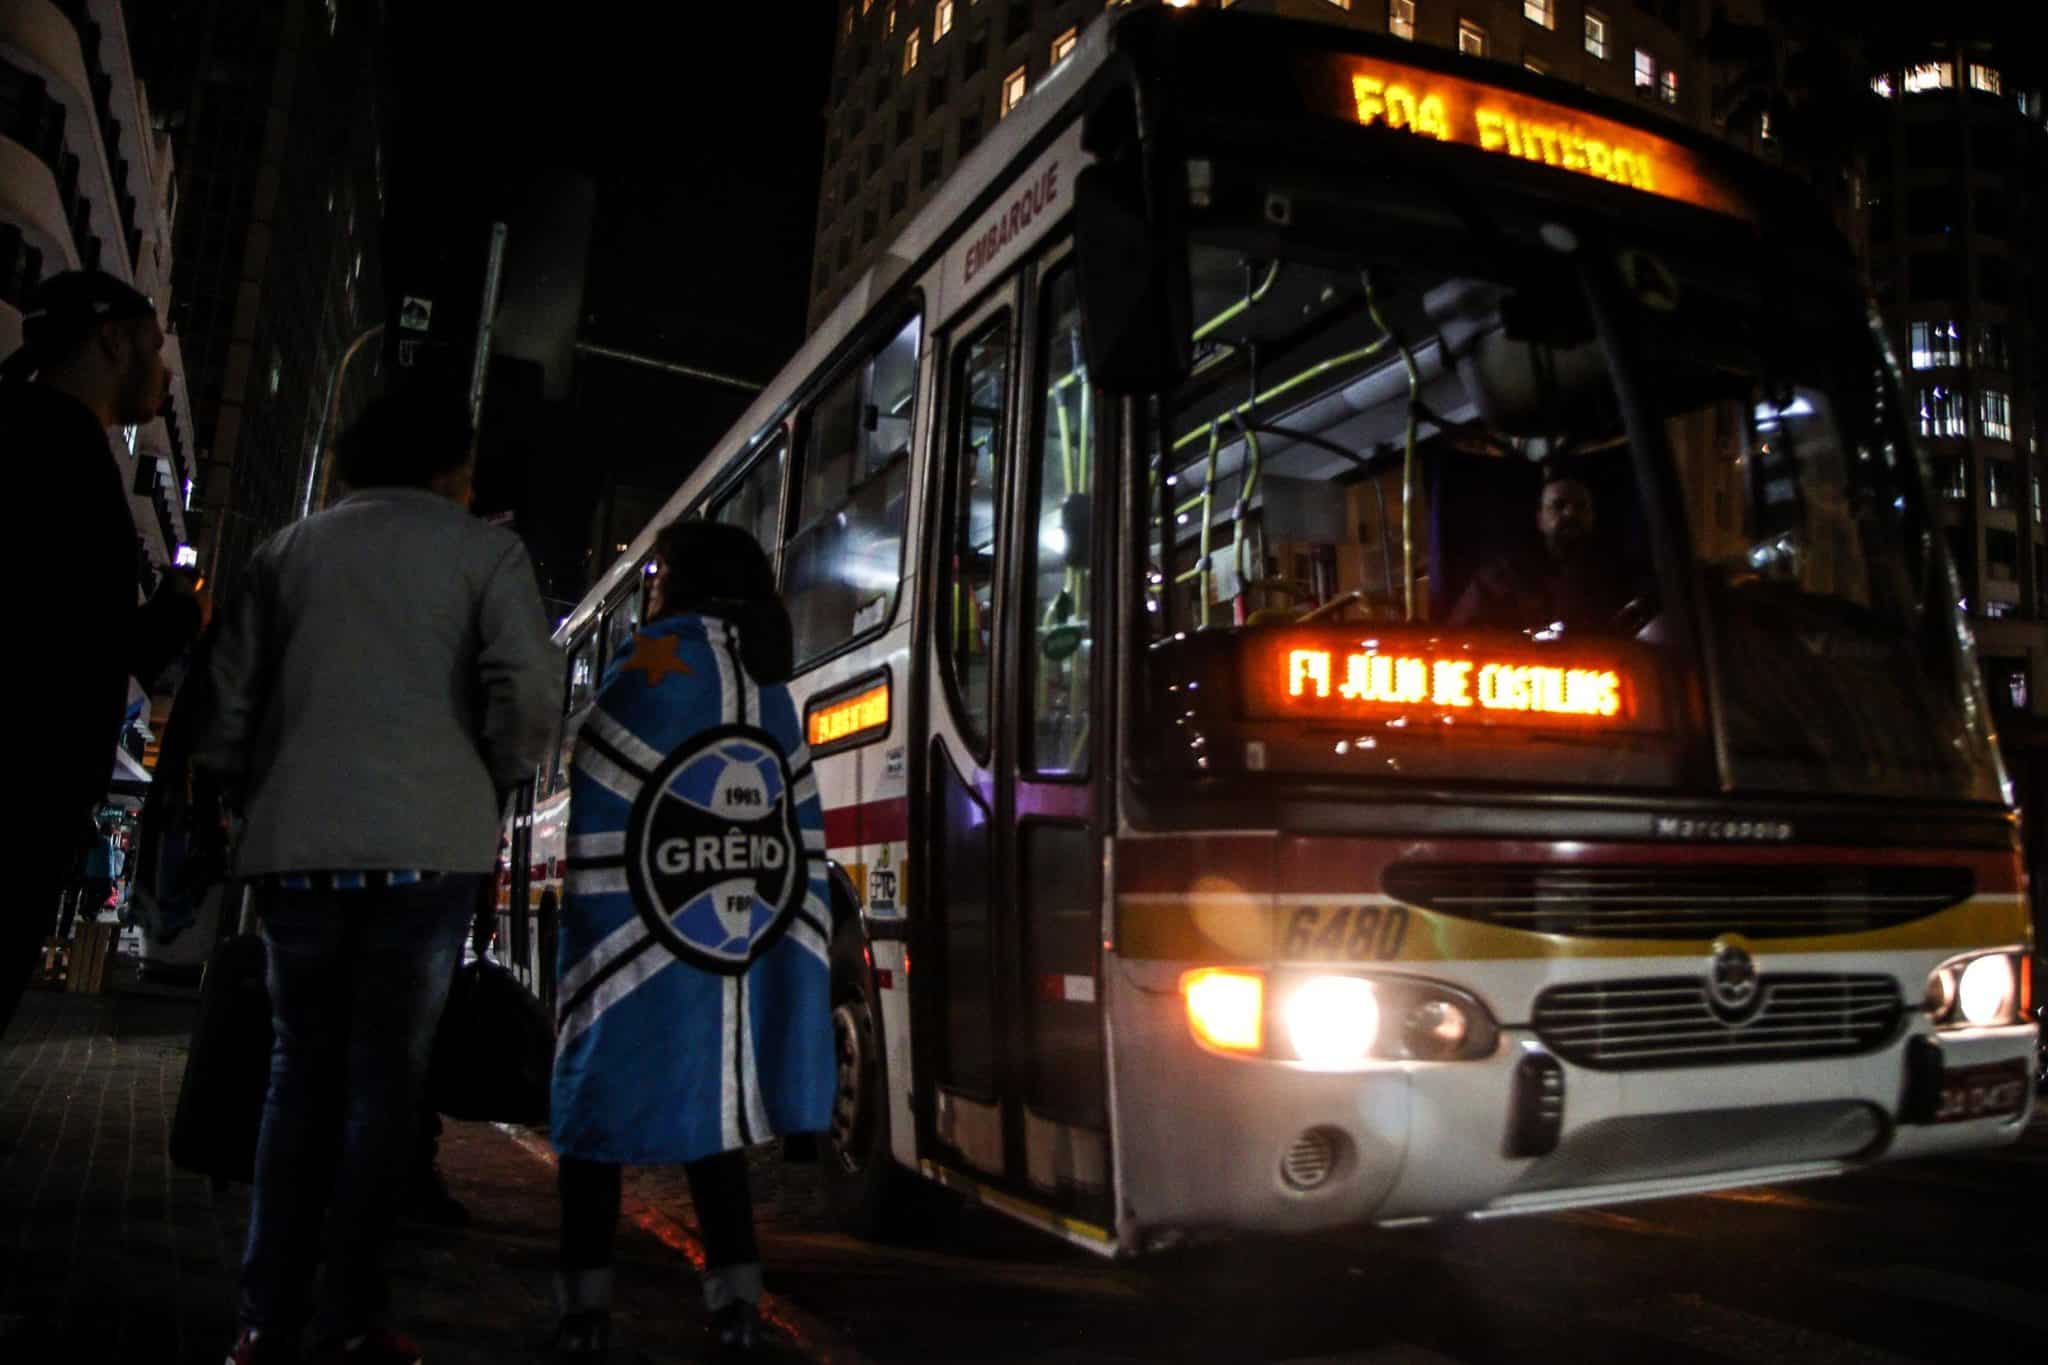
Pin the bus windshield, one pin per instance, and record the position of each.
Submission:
(1404, 501)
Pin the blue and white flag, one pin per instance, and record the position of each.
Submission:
(693, 971)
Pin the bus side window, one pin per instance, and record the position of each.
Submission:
(967, 555)
(755, 505)
(579, 693)
(1059, 633)
(845, 561)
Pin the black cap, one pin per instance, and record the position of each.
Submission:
(61, 312)
(79, 299)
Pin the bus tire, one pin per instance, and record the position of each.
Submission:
(869, 1194)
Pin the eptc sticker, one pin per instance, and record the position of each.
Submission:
(714, 854)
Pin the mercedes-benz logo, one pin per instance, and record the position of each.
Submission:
(1731, 978)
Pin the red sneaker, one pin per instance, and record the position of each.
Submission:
(375, 1348)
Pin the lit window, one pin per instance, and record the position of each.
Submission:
(1941, 412)
(1471, 38)
(2001, 485)
(910, 50)
(1763, 125)
(1646, 72)
(866, 5)
(1596, 34)
(1995, 411)
(1540, 12)
(942, 20)
(2039, 508)
(1951, 477)
(1936, 343)
(889, 22)
(1340, 4)
(1882, 85)
(1998, 609)
(1929, 76)
(1014, 87)
(1401, 18)
(1667, 87)
(1536, 65)
(1984, 78)
(1064, 45)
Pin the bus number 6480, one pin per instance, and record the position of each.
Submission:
(1334, 933)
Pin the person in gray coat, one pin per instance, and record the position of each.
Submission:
(382, 680)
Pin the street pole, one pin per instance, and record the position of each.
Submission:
(493, 278)
(329, 411)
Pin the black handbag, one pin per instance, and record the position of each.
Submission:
(494, 1054)
(227, 1073)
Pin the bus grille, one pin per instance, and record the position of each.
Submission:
(1676, 901)
(1669, 1022)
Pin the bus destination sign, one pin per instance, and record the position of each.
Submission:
(1470, 113)
(1436, 679)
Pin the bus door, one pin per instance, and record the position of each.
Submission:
(1012, 1022)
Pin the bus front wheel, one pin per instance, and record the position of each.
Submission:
(870, 1195)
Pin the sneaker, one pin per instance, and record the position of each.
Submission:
(428, 1201)
(256, 1348)
(582, 1338)
(738, 1326)
(373, 1348)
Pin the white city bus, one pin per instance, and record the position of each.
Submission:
(1238, 823)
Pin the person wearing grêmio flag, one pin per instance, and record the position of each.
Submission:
(693, 977)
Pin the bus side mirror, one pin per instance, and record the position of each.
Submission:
(1135, 292)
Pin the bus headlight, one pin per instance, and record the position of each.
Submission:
(1983, 990)
(1333, 1020)
(1226, 1009)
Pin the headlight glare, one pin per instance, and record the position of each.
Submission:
(1984, 995)
(1332, 1020)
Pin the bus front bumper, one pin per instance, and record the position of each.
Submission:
(1213, 1144)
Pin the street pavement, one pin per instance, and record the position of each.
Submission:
(108, 1253)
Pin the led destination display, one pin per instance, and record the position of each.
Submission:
(1469, 113)
(1482, 680)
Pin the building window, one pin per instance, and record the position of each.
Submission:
(976, 56)
(1881, 86)
(911, 49)
(970, 132)
(2001, 555)
(1015, 85)
(1951, 477)
(1471, 38)
(1667, 87)
(1995, 609)
(905, 118)
(1646, 72)
(1596, 34)
(1941, 412)
(1542, 12)
(1064, 45)
(1401, 18)
(1535, 64)
(899, 197)
(1929, 76)
(1936, 343)
(2040, 509)
(942, 20)
(1985, 78)
(2001, 485)
(934, 158)
(1340, 4)
(1995, 411)
(1763, 125)
(889, 23)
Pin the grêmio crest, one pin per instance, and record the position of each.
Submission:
(714, 853)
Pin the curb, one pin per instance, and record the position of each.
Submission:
(807, 1334)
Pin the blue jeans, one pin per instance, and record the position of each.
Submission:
(357, 982)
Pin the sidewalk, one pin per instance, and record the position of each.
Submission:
(109, 1253)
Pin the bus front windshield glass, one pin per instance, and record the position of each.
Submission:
(1409, 499)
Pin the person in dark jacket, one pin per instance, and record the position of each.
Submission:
(90, 361)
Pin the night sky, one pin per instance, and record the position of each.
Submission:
(704, 139)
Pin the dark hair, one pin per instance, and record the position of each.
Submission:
(407, 438)
(64, 312)
(719, 570)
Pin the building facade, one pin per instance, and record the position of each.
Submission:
(86, 181)
(280, 121)
(916, 84)
(1956, 211)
